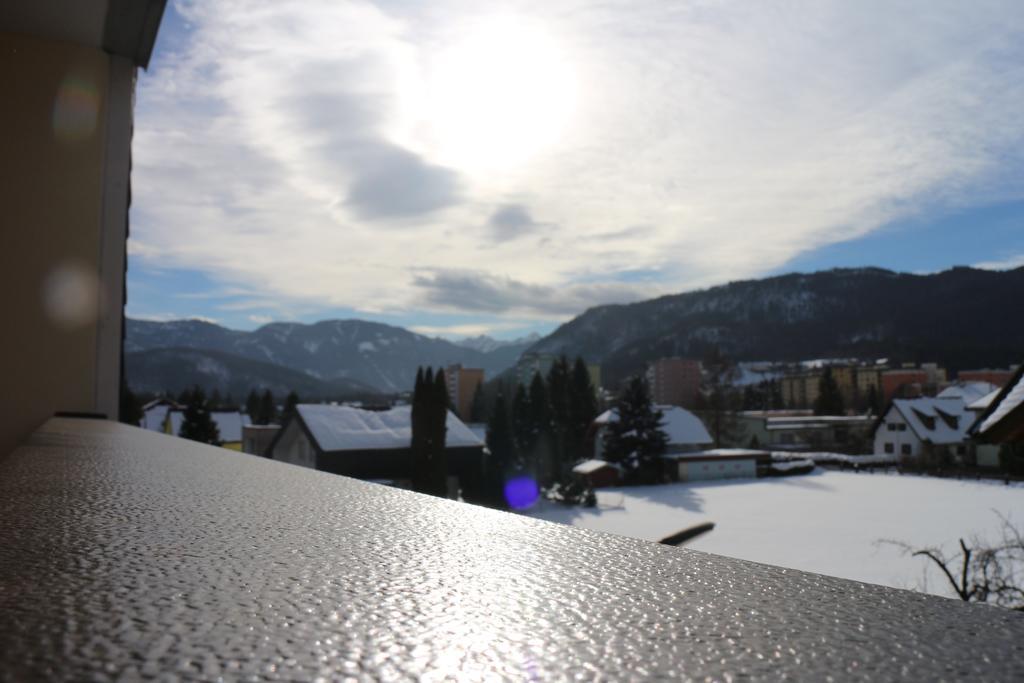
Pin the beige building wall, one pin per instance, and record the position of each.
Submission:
(812, 386)
(845, 377)
(64, 156)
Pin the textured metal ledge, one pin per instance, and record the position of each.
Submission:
(128, 554)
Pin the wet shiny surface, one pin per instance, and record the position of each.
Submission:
(129, 554)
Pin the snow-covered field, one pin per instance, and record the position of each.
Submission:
(827, 522)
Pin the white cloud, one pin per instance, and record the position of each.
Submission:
(1008, 263)
(299, 151)
(467, 329)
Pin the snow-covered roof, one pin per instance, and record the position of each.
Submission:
(343, 428)
(1013, 398)
(229, 423)
(938, 420)
(590, 466)
(712, 453)
(985, 401)
(478, 428)
(681, 426)
(154, 415)
(968, 391)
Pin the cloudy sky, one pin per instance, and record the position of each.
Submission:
(465, 167)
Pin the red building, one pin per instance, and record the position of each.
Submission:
(598, 473)
(997, 377)
(462, 386)
(674, 381)
(905, 383)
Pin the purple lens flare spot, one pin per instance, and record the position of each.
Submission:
(521, 492)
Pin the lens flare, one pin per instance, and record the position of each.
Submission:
(75, 109)
(71, 296)
(521, 492)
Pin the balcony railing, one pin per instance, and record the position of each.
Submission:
(129, 554)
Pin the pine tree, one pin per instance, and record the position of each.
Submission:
(252, 406)
(197, 424)
(429, 427)
(583, 409)
(635, 439)
(775, 395)
(438, 462)
(130, 407)
(522, 435)
(215, 401)
(719, 399)
(268, 409)
(290, 402)
(830, 399)
(502, 460)
(752, 398)
(874, 404)
(418, 444)
(559, 406)
(477, 409)
(539, 458)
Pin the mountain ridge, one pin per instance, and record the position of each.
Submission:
(380, 356)
(957, 317)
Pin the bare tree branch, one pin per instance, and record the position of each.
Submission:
(941, 562)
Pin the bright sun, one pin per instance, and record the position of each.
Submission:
(499, 96)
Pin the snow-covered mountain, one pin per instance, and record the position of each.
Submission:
(486, 344)
(380, 356)
(962, 318)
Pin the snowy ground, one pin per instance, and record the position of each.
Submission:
(827, 522)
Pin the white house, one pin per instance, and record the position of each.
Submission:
(910, 426)
(370, 444)
(155, 412)
(684, 429)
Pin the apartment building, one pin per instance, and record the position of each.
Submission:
(463, 384)
(674, 381)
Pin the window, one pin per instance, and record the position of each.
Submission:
(889, 448)
(891, 426)
(905, 449)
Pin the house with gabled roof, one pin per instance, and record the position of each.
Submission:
(1002, 420)
(374, 445)
(155, 412)
(684, 430)
(913, 426)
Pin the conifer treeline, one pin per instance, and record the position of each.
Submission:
(262, 408)
(429, 432)
(543, 432)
